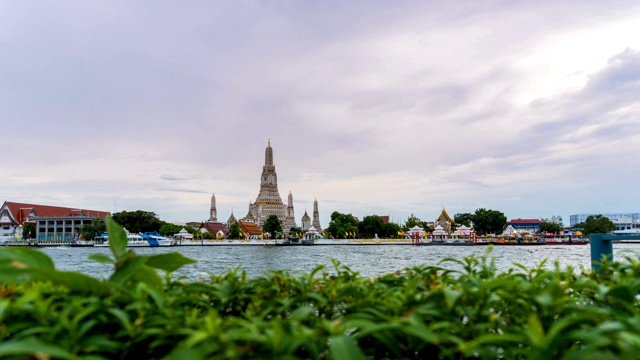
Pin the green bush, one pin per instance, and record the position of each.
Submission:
(422, 312)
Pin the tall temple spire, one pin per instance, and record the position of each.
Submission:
(268, 155)
(213, 215)
(316, 216)
(268, 201)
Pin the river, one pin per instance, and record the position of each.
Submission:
(368, 260)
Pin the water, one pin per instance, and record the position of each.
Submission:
(368, 260)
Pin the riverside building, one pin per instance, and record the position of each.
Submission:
(622, 221)
(52, 222)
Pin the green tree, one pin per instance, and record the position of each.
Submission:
(596, 224)
(463, 219)
(234, 232)
(168, 229)
(93, 229)
(295, 231)
(138, 221)
(29, 231)
(342, 225)
(413, 221)
(370, 226)
(389, 230)
(273, 226)
(488, 221)
(548, 226)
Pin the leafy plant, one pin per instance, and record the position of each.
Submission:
(460, 308)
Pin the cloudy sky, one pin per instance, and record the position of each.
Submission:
(372, 107)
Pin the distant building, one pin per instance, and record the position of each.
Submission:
(52, 222)
(445, 221)
(622, 221)
(529, 225)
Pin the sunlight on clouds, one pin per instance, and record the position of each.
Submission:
(563, 62)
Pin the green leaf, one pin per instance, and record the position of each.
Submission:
(127, 270)
(148, 275)
(33, 346)
(117, 238)
(22, 258)
(535, 330)
(451, 297)
(622, 293)
(168, 262)
(101, 258)
(345, 348)
(74, 281)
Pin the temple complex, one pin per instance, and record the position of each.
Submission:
(268, 202)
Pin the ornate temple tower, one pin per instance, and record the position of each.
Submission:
(232, 220)
(268, 201)
(290, 220)
(316, 216)
(306, 221)
(213, 213)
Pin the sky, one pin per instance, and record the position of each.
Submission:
(390, 108)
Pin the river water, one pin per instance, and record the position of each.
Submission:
(369, 260)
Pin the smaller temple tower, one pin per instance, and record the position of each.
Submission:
(232, 220)
(306, 221)
(290, 220)
(213, 214)
(316, 216)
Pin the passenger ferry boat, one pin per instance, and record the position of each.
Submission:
(149, 239)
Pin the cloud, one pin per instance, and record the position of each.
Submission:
(373, 107)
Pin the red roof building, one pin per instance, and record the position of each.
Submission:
(214, 227)
(251, 228)
(52, 222)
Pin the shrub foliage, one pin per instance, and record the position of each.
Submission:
(422, 312)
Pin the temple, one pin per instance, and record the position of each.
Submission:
(268, 202)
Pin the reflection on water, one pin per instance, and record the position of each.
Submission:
(368, 260)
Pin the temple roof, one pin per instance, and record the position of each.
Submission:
(215, 226)
(444, 216)
(249, 227)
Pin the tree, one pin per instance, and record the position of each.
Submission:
(138, 221)
(488, 221)
(28, 231)
(295, 231)
(389, 230)
(342, 225)
(370, 226)
(93, 229)
(272, 225)
(463, 219)
(234, 232)
(168, 229)
(413, 221)
(596, 224)
(548, 226)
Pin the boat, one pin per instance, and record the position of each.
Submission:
(150, 239)
(565, 241)
(156, 239)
